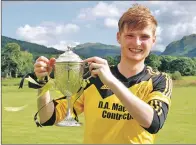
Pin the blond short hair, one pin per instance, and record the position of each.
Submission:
(137, 17)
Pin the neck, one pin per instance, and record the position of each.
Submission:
(129, 68)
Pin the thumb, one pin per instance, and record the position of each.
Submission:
(51, 63)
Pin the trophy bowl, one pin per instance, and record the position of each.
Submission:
(68, 74)
(68, 77)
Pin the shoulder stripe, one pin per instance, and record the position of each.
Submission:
(151, 71)
(167, 83)
(168, 88)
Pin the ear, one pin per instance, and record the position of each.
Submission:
(154, 40)
(118, 37)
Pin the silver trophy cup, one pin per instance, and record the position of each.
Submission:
(68, 74)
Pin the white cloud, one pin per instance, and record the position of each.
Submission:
(159, 47)
(101, 10)
(180, 29)
(111, 23)
(31, 32)
(88, 26)
(179, 12)
(158, 36)
(48, 33)
(82, 16)
(156, 13)
(60, 29)
(41, 42)
(62, 45)
(159, 31)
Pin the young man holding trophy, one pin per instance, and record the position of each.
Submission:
(127, 103)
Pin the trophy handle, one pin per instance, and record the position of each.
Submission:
(86, 66)
(85, 77)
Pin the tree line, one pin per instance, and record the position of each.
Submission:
(184, 66)
(17, 63)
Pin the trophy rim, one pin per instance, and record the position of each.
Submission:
(71, 62)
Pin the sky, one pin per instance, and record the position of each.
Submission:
(60, 24)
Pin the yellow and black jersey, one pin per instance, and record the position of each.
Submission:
(107, 120)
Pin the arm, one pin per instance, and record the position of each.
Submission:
(139, 110)
(42, 68)
(46, 112)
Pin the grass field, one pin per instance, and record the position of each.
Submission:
(19, 127)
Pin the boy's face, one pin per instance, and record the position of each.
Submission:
(136, 44)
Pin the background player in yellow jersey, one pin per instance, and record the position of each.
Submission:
(134, 104)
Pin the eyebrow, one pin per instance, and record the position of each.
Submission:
(142, 34)
(146, 35)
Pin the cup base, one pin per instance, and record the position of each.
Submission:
(68, 123)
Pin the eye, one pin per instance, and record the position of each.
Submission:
(145, 37)
(130, 36)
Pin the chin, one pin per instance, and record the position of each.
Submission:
(136, 58)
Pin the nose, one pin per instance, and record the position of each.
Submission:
(138, 42)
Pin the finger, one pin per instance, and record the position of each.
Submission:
(41, 75)
(43, 58)
(95, 59)
(94, 73)
(40, 64)
(52, 62)
(94, 66)
(40, 69)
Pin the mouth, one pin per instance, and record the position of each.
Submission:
(134, 50)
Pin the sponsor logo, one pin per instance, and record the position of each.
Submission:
(104, 87)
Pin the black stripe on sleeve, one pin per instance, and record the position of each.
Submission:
(52, 119)
(160, 114)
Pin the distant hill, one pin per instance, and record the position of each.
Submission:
(99, 49)
(35, 49)
(96, 49)
(156, 52)
(184, 47)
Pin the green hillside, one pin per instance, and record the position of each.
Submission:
(84, 50)
(184, 47)
(99, 49)
(96, 49)
(35, 49)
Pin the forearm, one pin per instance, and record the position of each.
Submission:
(46, 112)
(139, 110)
